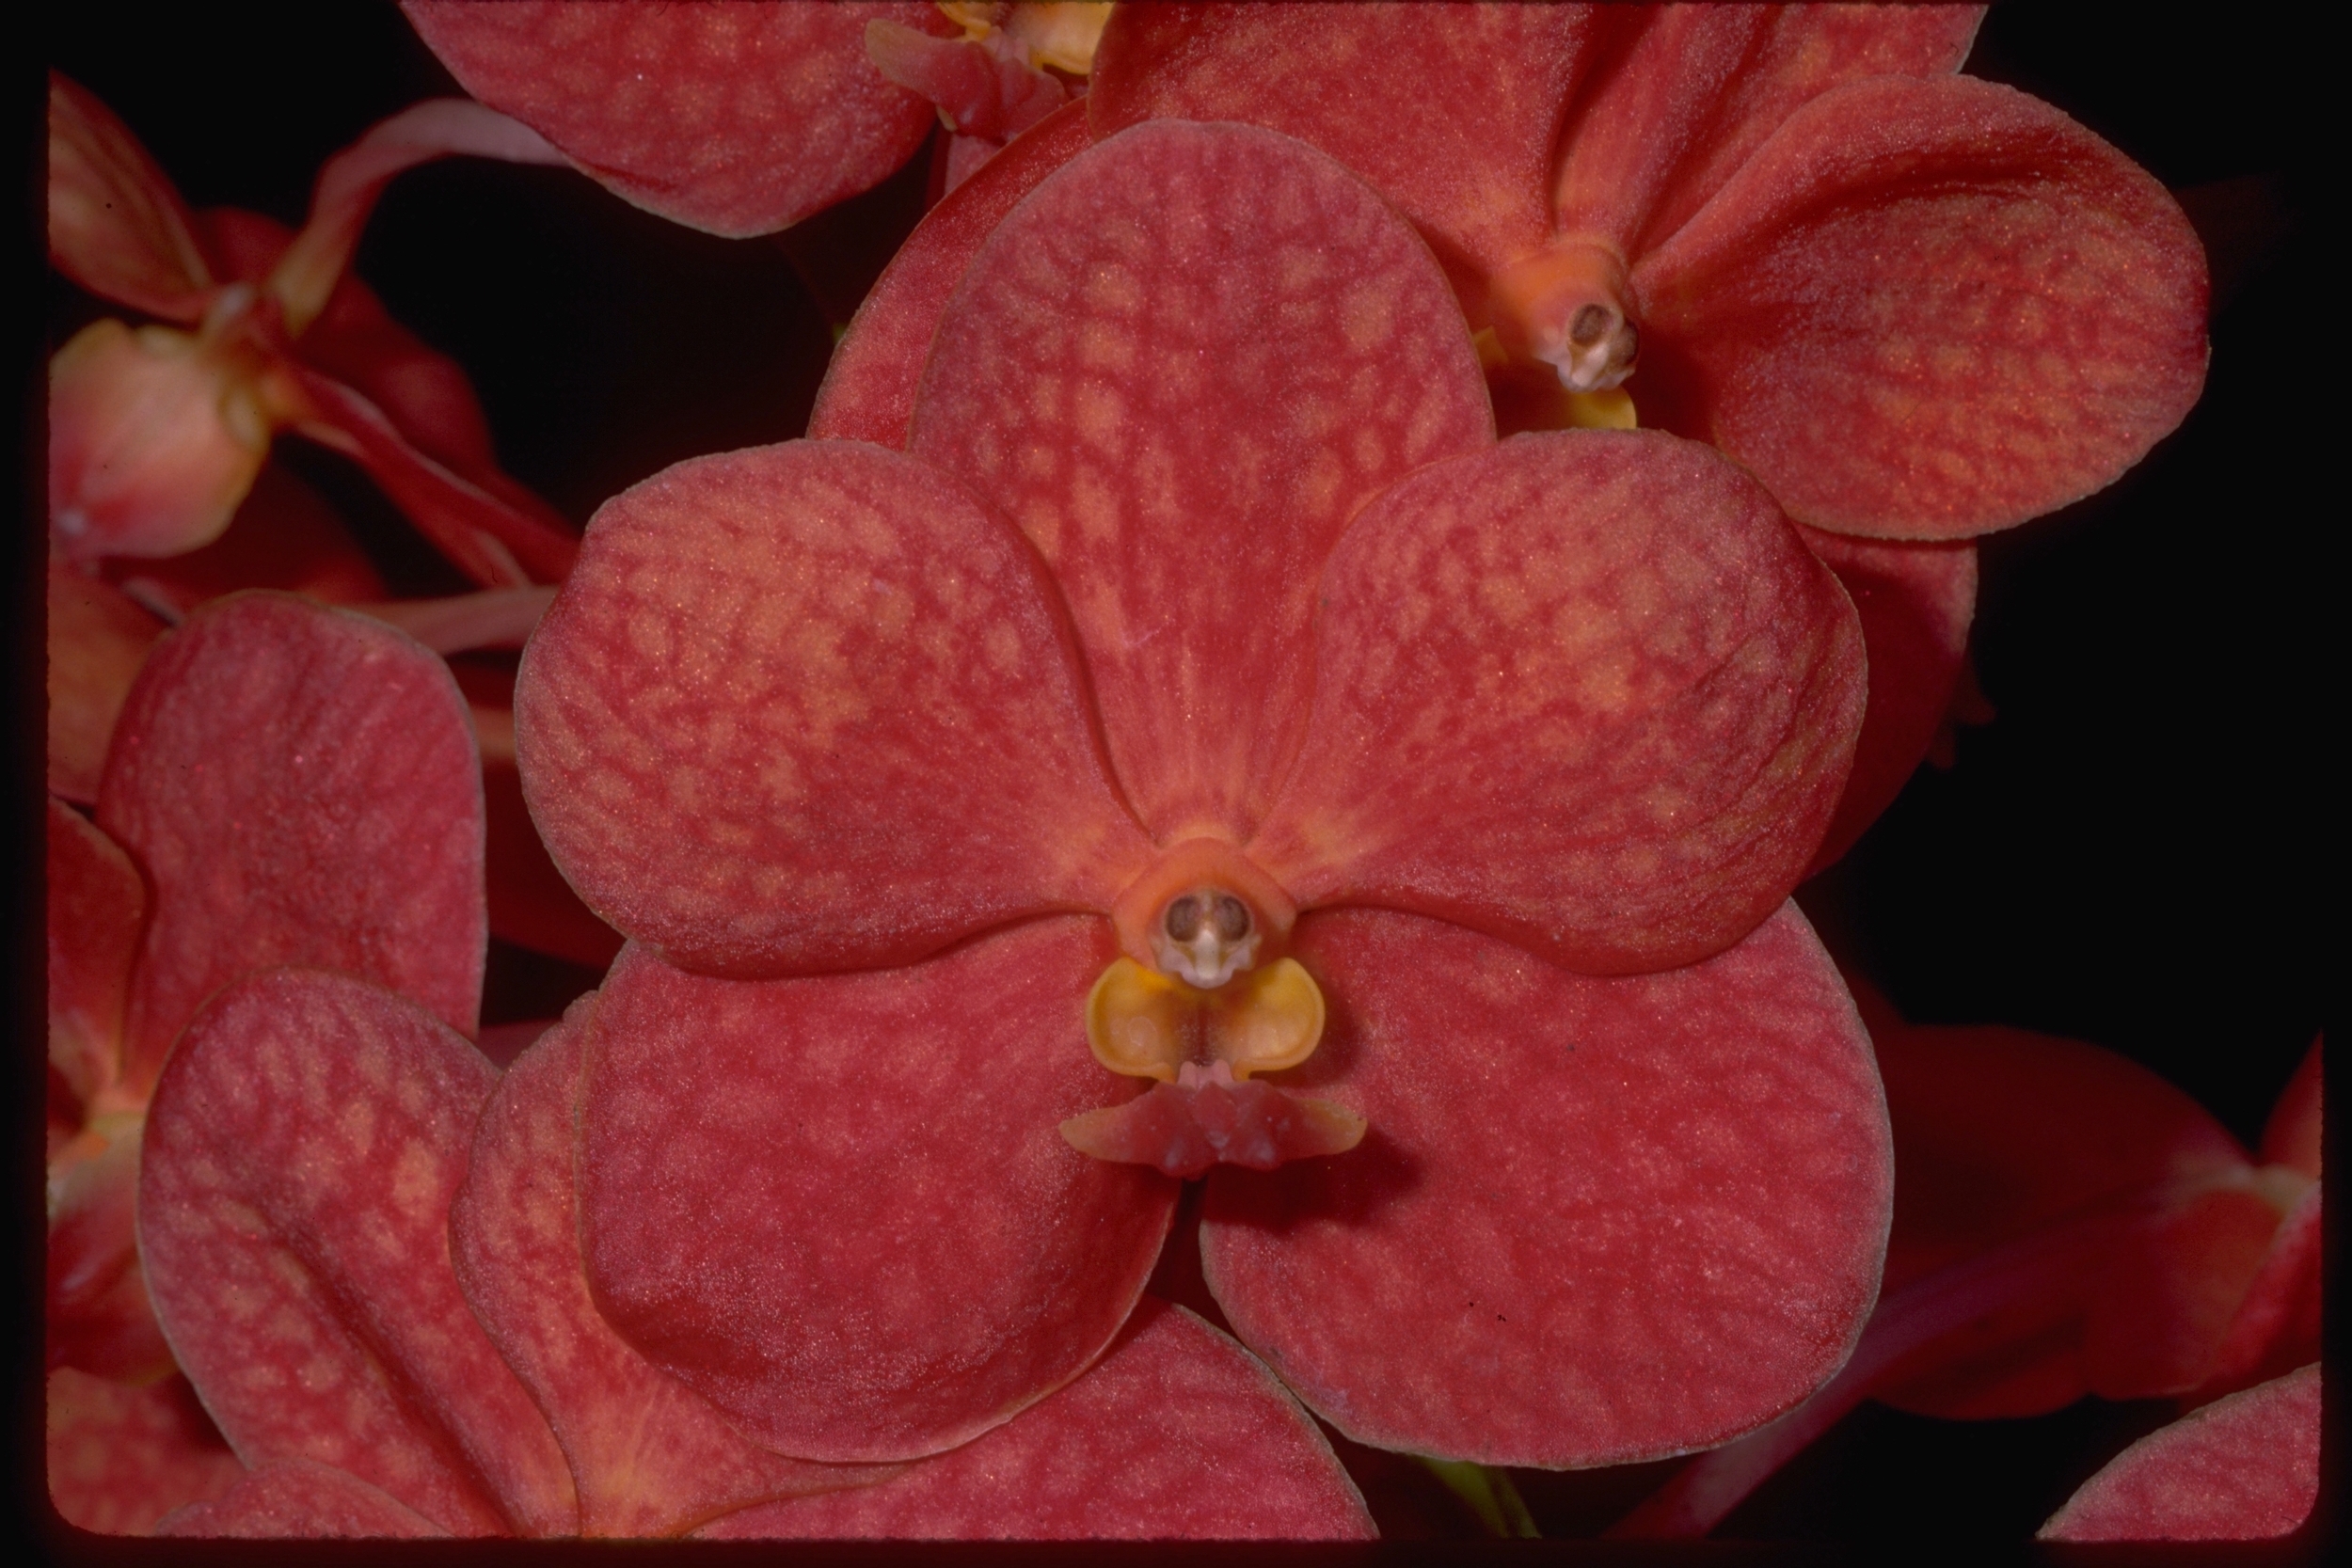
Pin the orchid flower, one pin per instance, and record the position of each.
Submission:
(288, 783)
(1206, 694)
(158, 433)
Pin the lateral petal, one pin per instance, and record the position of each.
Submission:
(808, 708)
(841, 1209)
(117, 225)
(1587, 691)
(649, 1456)
(1925, 310)
(736, 119)
(1180, 366)
(1177, 1433)
(1594, 1219)
(306, 1139)
(299, 785)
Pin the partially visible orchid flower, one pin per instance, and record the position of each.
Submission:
(159, 431)
(288, 783)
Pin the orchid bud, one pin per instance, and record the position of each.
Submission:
(156, 434)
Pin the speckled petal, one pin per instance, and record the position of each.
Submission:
(868, 393)
(1177, 1433)
(738, 119)
(1694, 89)
(1923, 310)
(808, 708)
(295, 1498)
(1588, 692)
(1181, 365)
(300, 786)
(122, 1455)
(650, 1457)
(1915, 602)
(2242, 1468)
(842, 1210)
(1594, 1221)
(1451, 111)
(305, 1141)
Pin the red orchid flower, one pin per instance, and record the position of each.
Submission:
(1917, 307)
(1204, 629)
(2068, 1222)
(158, 433)
(289, 783)
(307, 1247)
(743, 120)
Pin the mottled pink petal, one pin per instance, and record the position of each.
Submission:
(97, 639)
(650, 1457)
(1915, 601)
(736, 120)
(1694, 89)
(1587, 691)
(96, 908)
(868, 393)
(297, 1499)
(95, 1304)
(116, 225)
(121, 1456)
(1180, 366)
(809, 707)
(841, 1209)
(305, 1141)
(1926, 308)
(1594, 1221)
(1176, 1433)
(2242, 1468)
(299, 785)
(1451, 111)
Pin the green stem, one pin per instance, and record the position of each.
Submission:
(1489, 1495)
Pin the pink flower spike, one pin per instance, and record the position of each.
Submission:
(649, 1455)
(304, 1144)
(341, 752)
(1176, 1433)
(116, 225)
(736, 119)
(2244, 1468)
(350, 182)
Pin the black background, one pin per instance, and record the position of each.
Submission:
(2134, 852)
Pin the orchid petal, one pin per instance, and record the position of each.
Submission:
(297, 1499)
(1180, 366)
(97, 907)
(1609, 1220)
(1177, 1433)
(2242, 1469)
(1453, 112)
(96, 1306)
(350, 182)
(116, 225)
(869, 393)
(841, 1209)
(1587, 691)
(1916, 603)
(121, 1456)
(808, 708)
(650, 1457)
(1698, 87)
(283, 536)
(2276, 1325)
(97, 639)
(305, 1141)
(495, 618)
(1926, 308)
(736, 120)
(299, 785)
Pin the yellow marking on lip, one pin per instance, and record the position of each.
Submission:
(1146, 1024)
